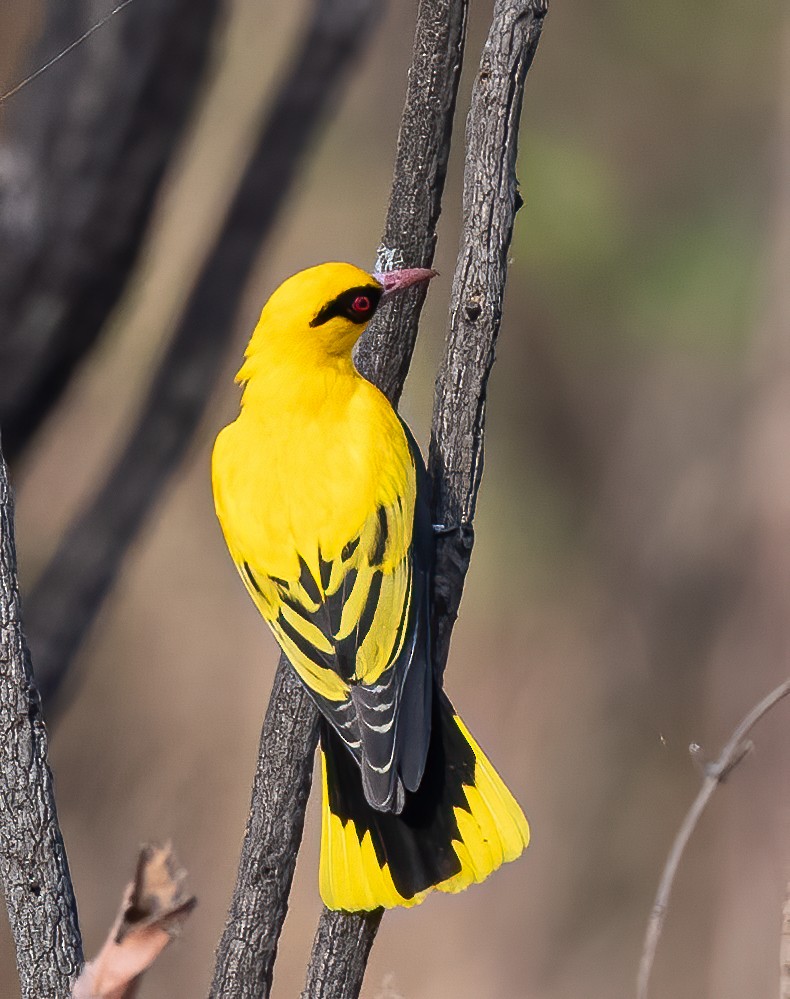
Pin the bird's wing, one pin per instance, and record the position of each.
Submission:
(358, 637)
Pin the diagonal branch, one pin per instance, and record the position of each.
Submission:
(80, 166)
(735, 750)
(74, 585)
(248, 948)
(415, 203)
(35, 874)
(343, 940)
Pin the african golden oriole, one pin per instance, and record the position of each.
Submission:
(323, 499)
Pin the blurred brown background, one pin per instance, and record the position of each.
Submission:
(630, 586)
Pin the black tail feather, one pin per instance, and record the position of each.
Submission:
(416, 845)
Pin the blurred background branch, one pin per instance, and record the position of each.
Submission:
(784, 949)
(81, 160)
(73, 586)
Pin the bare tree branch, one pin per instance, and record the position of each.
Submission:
(35, 873)
(248, 948)
(384, 354)
(88, 145)
(343, 940)
(74, 585)
(734, 751)
(340, 954)
(490, 203)
(415, 203)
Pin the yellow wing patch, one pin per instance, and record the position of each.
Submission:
(345, 622)
(302, 642)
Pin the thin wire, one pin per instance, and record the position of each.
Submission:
(59, 56)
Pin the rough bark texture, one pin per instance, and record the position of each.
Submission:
(73, 587)
(87, 146)
(247, 950)
(415, 204)
(35, 874)
(340, 954)
(490, 203)
(343, 941)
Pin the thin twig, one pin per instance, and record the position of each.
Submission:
(35, 875)
(72, 588)
(734, 751)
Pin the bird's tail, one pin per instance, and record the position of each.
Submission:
(459, 826)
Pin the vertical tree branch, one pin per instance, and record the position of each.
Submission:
(72, 588)
(339, 958)
(245, 961)
(490, 203)
(343, 940)
(35, 873)
(415, 203)
(79, 170)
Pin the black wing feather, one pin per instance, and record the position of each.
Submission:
(385, 725)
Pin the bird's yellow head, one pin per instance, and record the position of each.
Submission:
(320, 313)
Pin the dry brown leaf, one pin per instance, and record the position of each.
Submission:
(154, 907)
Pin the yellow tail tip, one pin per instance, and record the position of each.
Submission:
(489, 830)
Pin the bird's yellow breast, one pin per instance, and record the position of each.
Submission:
(312, 454)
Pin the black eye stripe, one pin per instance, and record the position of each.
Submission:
(342, 305)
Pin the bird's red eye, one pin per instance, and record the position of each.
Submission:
(361, 305)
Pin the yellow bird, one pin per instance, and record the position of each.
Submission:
(323, 499)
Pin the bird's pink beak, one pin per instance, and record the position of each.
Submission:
(393, 281)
